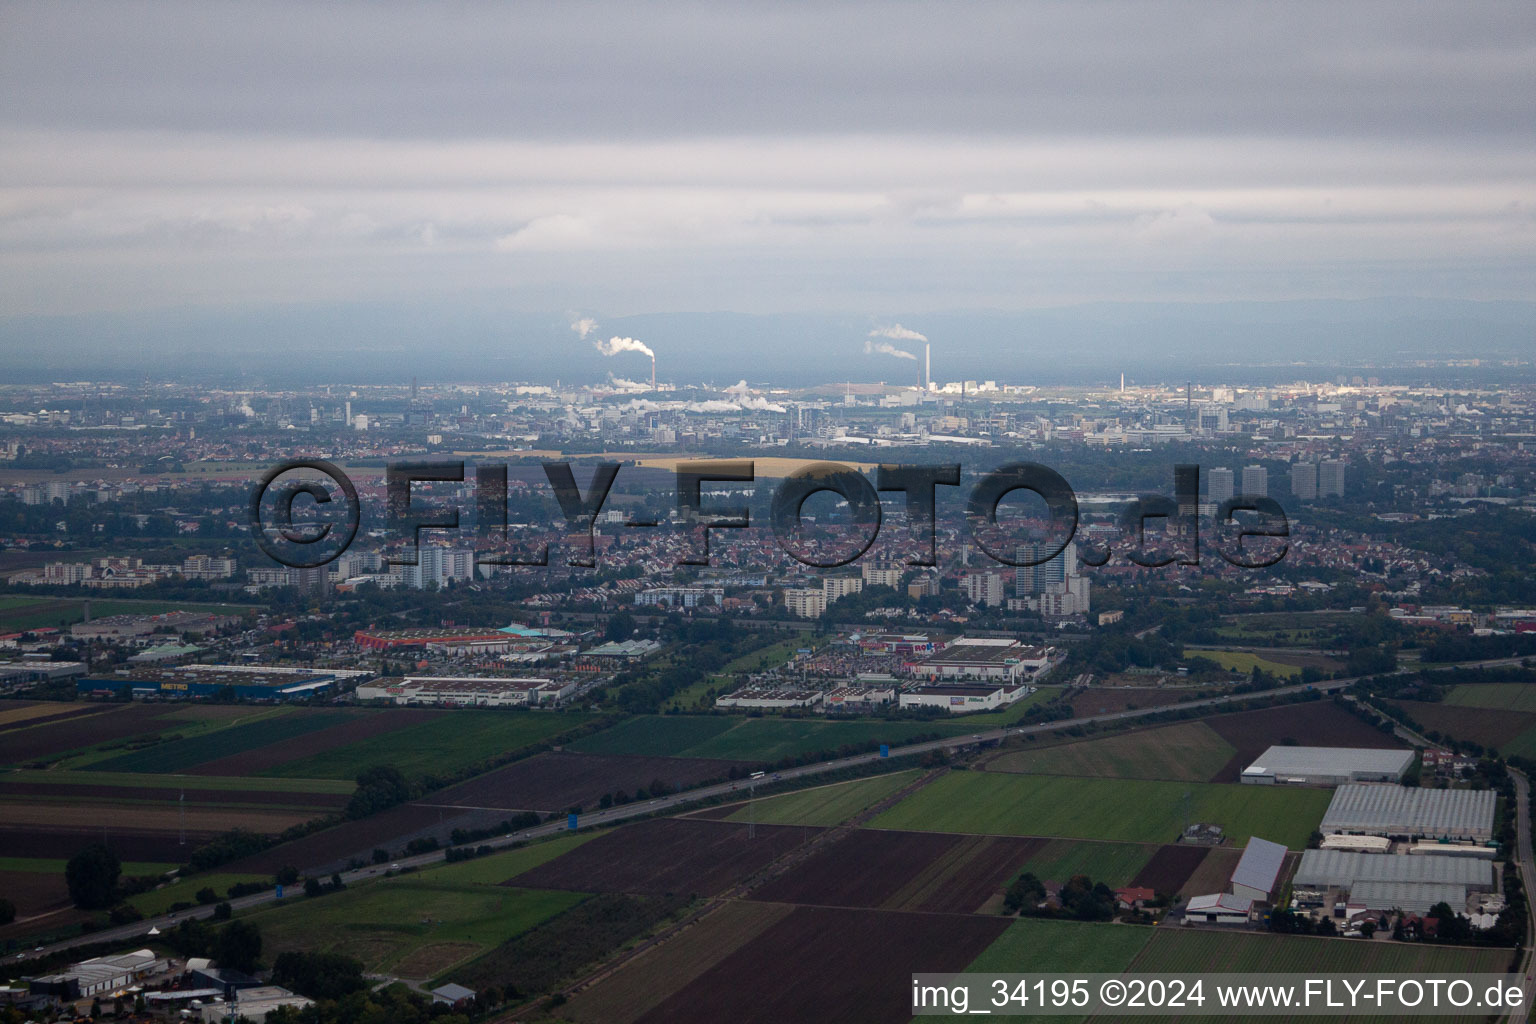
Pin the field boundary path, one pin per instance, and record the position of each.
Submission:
(1527, 877)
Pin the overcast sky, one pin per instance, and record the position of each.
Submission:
(620, 158)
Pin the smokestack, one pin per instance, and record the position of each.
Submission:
(927, 366)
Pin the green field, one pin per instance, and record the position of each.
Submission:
(1174, 949)
(1187, 752)
(159, 901)
(179, 755)
(48, 866)
(735, 738)
(1244, 661)
(1114, 864)
(498, 867)
(230, 783)
(655, 735)
(1501, 696)
(770, 739)
(825, 805)
(442, 746)
(1124, 810)
(1039, 945)
(410, 927)
(1013, 712)
(18, 612)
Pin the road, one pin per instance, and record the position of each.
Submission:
(138, 929)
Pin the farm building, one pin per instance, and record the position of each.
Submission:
(104, 974)
(1411, 813)
(1337, 869)
(988, 658)
(468, 691)
(1219, 908)
(1326, 766)
(1257, 874)
(251, 682)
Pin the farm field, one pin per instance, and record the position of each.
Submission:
(442, 745)
(180, 755)
(50, 740)
(20, 613)
(666, 855)
(200, 819)
(1504, 696)
(163, 796)
(14, 714)
(1103, 700)
(143, 780)
(927, 871)
(812, 945)
(1201, 950)
(1114, 864)
(159, 901)
(1300, 629)
(639, 985)
(655, 735)
(329, 850)
(557, 780)
(1503, 730)
(498, 867)
(1171, 868)
(1317, 723)
(1043, 945)
(1115, 809)
(824, 805)
(1245, 662)
(355, 727)
(1187, 752)
(410, 925)
(61, 843)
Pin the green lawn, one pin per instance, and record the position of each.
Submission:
(825, 805)
(407, 925)
(1123, 810)
(1177, 949)
(1188, 751)
(1039, 945)
(655, 735)
(446, 744)
(1114, 864)
(182, 754)
(1502, 696)
(1014, 712)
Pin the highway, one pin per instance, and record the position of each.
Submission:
(1527, 877)
(139, 929)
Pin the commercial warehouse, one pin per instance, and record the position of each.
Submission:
(1340, 869)
(249, 682)
(469, 691)
(1326, 766)
(1409, 897)
(962, 698)
(1411, 813)
(979, 658)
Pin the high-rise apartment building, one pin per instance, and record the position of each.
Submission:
(1219, 484)
(1256, 481)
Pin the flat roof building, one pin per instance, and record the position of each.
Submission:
(1410, 813)
(1342, 869)
(1327, 766)
(1219, 908)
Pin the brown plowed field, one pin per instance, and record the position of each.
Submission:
(558, 780)
(364, 726)
(1214, 872)
(118, 722)
(16, 713)
(1099, 700)
(667, 855)
(63, 843)
(830, 964)
(1318, 723)
(168, 818)
(1170, 867)
(1492, 727)
(353, 838)
(34, 891)
(881, 869)
(166, 795)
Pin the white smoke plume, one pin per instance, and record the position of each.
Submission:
(897, 333)
(583, 326)
(627, 385)
(886, 348)
(613, 346)
(739, 388)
